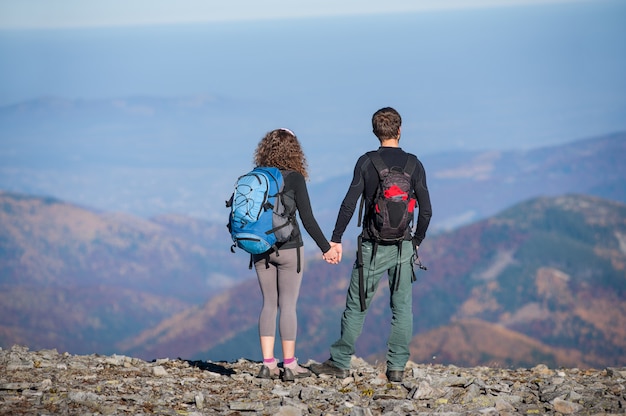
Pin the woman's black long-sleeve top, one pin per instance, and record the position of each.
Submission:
(295, 189)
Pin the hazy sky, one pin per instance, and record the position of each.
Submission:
(480, 74)
(77, 13)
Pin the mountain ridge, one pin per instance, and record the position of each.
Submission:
(152, 269)
(149, 156)
(550, 310)
(550, 269)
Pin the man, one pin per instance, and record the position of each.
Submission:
(375, 256)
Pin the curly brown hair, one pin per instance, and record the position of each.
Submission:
(280, 148)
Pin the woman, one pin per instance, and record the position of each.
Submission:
(280, 273)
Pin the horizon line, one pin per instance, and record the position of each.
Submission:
(85, 15)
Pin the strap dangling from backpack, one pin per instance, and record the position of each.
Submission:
(395, 282)
(298, 256)
(398, 267)
(265, 257)
(359, 265)
(360, 216)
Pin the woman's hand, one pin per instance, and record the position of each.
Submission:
(333, 256)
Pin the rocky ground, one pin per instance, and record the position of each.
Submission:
(47, 382)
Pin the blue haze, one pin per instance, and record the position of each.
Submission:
(501, 78)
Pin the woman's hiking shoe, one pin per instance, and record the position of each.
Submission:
(329, 368)
(266, 372)
(293, 371)
(269, 371)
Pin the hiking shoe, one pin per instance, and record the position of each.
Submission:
(395, 376)
(269, 371)
(293, 371)
(329, 368)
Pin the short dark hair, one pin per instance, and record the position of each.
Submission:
(385, 123)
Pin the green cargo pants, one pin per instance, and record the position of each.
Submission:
(386, 259)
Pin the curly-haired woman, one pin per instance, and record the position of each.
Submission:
(280, 273)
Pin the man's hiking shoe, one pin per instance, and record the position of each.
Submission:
(271, 371)
(293, 371)
(395, 376)
(329, 368)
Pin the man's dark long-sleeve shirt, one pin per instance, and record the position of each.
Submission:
(365, 182)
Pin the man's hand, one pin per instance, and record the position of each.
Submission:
(338, 248)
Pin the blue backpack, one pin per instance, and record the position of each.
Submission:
(258, 218)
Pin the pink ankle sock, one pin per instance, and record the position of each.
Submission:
(268, 360)
(289, 360)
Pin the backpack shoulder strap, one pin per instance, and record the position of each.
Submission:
(273, 172)
(382, 170)
(409, 168)
(378, 162)
(381, 167)
(411, 164)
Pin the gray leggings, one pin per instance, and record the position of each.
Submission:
(280, 286)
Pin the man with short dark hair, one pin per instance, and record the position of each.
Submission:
(376, 255)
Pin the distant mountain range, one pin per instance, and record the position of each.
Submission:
(79, 279)
(542, 281)
(148, 156)
(510, 254)
(469, 186)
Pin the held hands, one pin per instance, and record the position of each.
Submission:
(333, 256)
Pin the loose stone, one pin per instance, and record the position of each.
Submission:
(49, 383)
